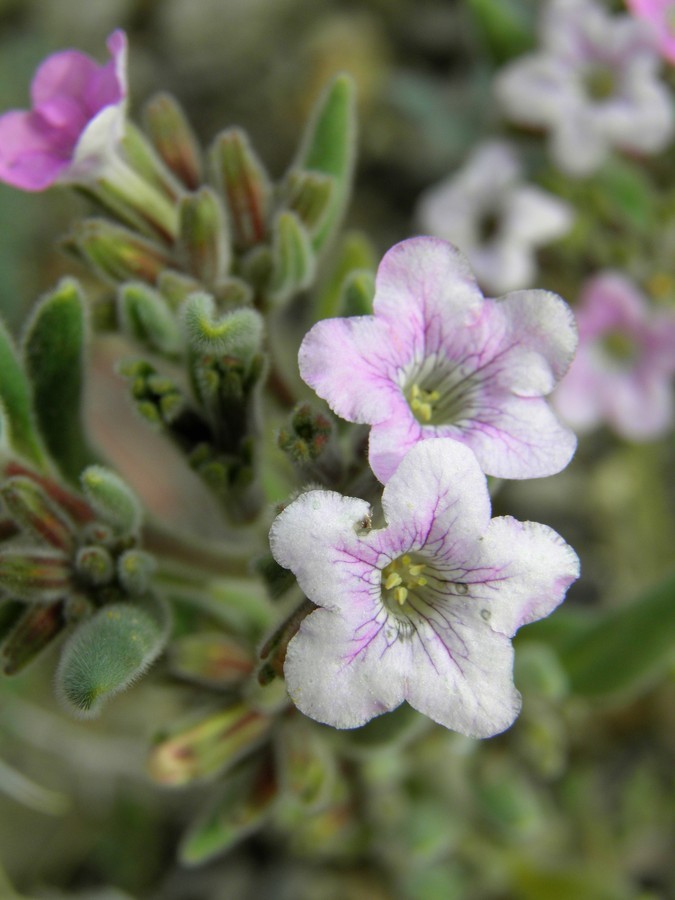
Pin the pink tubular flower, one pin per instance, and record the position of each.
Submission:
(661, 16)
(423, 609)
(439, 360)
(76, 120)
(625, 363)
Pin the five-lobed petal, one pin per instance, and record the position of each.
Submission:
(77, 118)
(439, 360)
(423, 609)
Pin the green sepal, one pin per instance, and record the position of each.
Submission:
(328, 147)
(211, 659)
(204, 240)
(144, 159)
(241, 807)
(624, 648)
(112, 499)
(147, 317)
(293, 259)
(357, 293)
(306, 764)
(31, 508)
(105, 655)
(201, 749)
(35, 630)
(174, 139)
(355, 257)
(117, 254)
(237, 334)
(53, 349)
(245, 184)
(18, 429)
(309, 196)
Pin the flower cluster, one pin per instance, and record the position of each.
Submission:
(593, 85)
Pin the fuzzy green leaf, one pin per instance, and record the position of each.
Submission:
(293, 260)
(148, 318)
(54, 357)
(328, 147)
(112, 499)
(105, 655)
(17, 425)
(237, 334)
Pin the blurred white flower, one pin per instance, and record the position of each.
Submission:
(494, 218)
(593, 85)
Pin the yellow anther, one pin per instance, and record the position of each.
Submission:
(416, 569)
(424, 410)
(422, 581)
(415, 392)
(401, 595)
(393, 580)
(406, 560)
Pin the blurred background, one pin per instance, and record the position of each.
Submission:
(577, 799)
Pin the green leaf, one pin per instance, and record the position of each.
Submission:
(148, 318)
(627, 190)
(625, 648)
(17, 425)
(54, 358)
(237, 334)
(356, 254)
(243, 805)
(105, 655)
(328, 147)
(507, 26)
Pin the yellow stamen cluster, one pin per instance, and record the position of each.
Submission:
(401, 575)
(422, 402)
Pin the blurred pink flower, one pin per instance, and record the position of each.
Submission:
(75, 124)
(593, 86)
(661, 15)
(624, 365)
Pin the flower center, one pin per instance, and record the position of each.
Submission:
(489, 225)
(401, 579)
(620, 347)
(600, 82)
(438, 394)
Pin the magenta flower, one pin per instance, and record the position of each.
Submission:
(625, 363)
(494, 217)
(661, 16)
(75, 124)
(439, 360)
(593, 86)
(423, 609)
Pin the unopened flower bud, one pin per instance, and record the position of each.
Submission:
(94, 565)
(203, 236)
(209, 746)
(174, 139)
(112, 499)
(37, 575)
(246, 185)
(116, 253)
(36, 629)
(212, 659)
(309, 195)
(148, 318)
(32, 509)
(134, 571)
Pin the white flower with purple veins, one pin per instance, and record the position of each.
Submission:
(624, 368)
(423, 609)
(439, 360)
(493, 217)
(593, 85)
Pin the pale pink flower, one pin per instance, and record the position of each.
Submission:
(423, 609)
(439, 360)
(593, 86)
(623, 371)
(661, 16)
(492, 215)
(75, 124)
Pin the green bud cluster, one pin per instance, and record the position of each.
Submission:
(307, 434)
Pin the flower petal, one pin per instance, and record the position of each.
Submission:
(425, 290)
(437, 500)
(352, 363)
(29, 152)
(316, 537)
